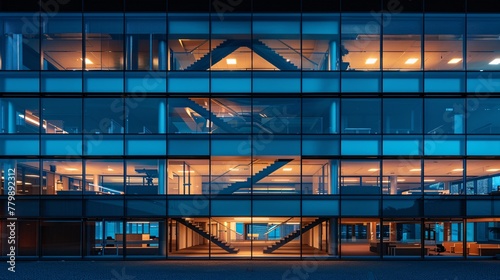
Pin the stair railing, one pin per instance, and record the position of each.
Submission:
(297, 52)
(239, 236)
(274, 227)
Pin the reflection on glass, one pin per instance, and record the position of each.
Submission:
(360, 46)
(444, 35)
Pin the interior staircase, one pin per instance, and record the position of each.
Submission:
(293, 235)
(229, 46)
(222, 244)
(277, 164)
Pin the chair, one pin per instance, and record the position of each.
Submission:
(440, 249)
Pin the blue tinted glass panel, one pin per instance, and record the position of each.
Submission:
(19, 145)
(353, 206)
(360, 145)
(238, 207)
(403, 82)
(102, 145)
(320, 82)
(444, 116)
(146, 115)
(269, 144)
(320, 207)
(279, 82)
(276, 115)
(480, 208)
(19, 82)
(146, 208)
(52, 207)
(360, 82)
(444, 145)
(97, 207)
(146, 145)
(188, 145)
(402, 145)
(103, 116)
(273, 208)
(143, 82)
(402, 115)
(320, 145)
(320, 31)
(483, 146)
(62, 81)
(62, 145)
(188, 82)
(361, 116)
(482, 34)
(483, 82)
(443, 208)
(231, 146)
(62, 115)
(231, 82)
(320, 116)
(483, 115)
(103, 81)
(444, 82)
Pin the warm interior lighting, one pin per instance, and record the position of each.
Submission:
(492, 170)
(401, 180)
(234, 169)
(495, 61)
(72, 169)
(373, 169)
(231, 61)
(371, 61)
(251, 219)
(281, 180)
(415, 170)
(110, 169)
(457, 169)
(411, 60)
(182, 171)
(429, 180)
(237, 180)
(31, 176)
(87, 61)
(350, 180)
(287, 169)
(454, 60)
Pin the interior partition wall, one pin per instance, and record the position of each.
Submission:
(250, 130)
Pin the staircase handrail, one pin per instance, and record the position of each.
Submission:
(230, 229)
(273, 228)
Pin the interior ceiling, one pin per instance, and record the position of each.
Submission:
(64, 52)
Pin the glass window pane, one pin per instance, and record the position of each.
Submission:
(62, 115)
(444, 116)
(444, 42)
(62, 42)
(402, 42)
(402, 116)
(320, 116)
(360, 46)
(320, 42)
(103, 41)
(146, 115)
(62, 177)
(361, 116)
(483, 116)
(19, 115)
(103, 115)
(443, 177)
(104, 177)
(482, 42)
(20, 36)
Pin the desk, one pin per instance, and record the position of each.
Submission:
(253, 236)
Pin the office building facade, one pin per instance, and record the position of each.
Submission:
(245, 129)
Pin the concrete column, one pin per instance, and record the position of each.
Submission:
(162, 55)
(162, 238)
(393, 184)
(392, 232)
(333, 234)
(161, 177)
(13, 52)
(373, 231)
(333, 117)
(334, 177)
(96, 182)
(132, 62)
(162, 117)
(332, 56)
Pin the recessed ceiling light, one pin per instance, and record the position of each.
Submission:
(429, 180)
(373, 169)
(87, 61)
(281, 180)
(401, 180)
(287, 169)
(71, 169)
(411, 60)
(457, 169)
(350, 180)
(415, 170)
(234, 169)
(371, 61)
(231, 61)
(495, 61)
(492, 170)
(454, 60)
